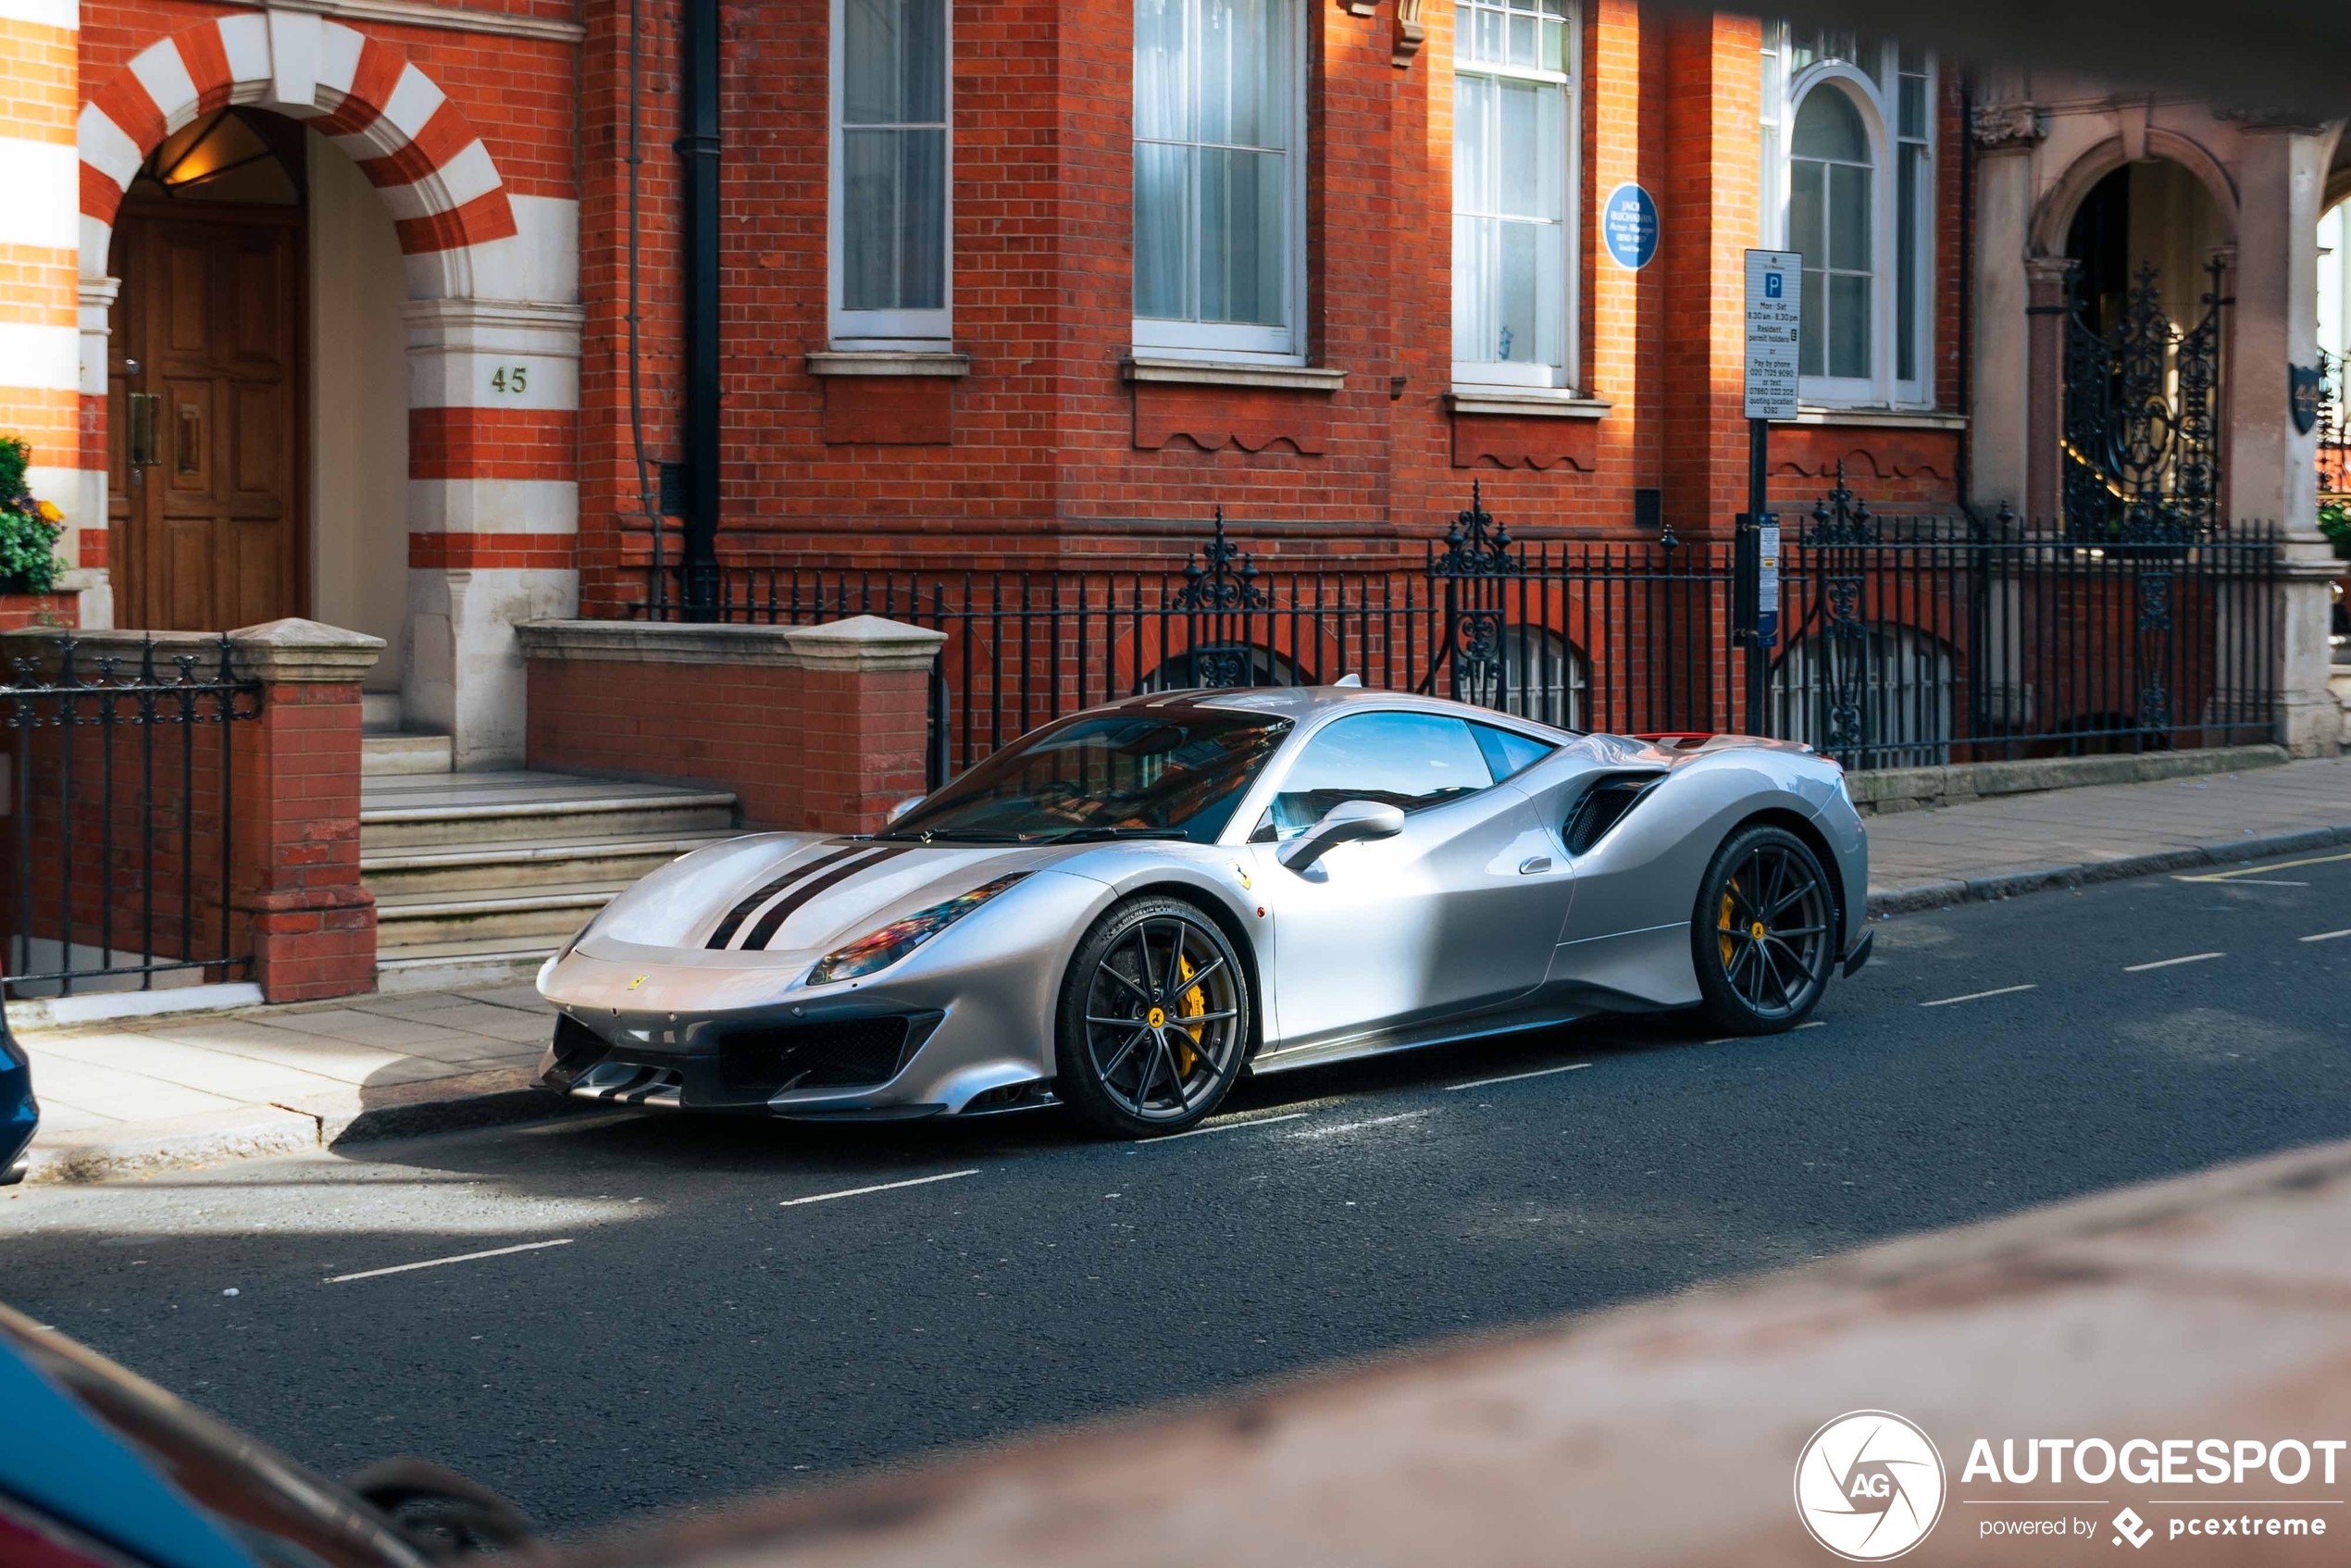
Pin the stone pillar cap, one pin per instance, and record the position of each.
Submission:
(297, 650)
(864, 642)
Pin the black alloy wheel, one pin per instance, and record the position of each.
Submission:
(1765, 932)
(1154, 1019)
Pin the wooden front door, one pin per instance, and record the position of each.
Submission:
(208, 514)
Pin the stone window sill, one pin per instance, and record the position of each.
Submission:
(1231, 373)
(1542, 403)
(1877, 418)
(889, 362)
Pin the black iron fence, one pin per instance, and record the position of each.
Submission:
(1904, 642)
(120, 782)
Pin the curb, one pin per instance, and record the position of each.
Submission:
(2009, 885)
(477, 1100)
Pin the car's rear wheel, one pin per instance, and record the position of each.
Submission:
(1154, 1019)
(1764, 933)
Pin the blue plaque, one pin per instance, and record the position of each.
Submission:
(1628, 226)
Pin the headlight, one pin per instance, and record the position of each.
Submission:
(879, 950)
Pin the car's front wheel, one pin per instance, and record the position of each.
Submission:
(1763, 934)
(1154, 1019)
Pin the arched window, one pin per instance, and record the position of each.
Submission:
(1543, 677)
(1847, 180)
(1832, 177)
(1883, 699)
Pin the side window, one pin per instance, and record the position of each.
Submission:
(1409, 759)
(1508, 752)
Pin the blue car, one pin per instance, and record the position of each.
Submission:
(20, 1112)
(100, 1469)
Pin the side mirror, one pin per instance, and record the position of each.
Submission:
(901, 809)
(1346, 823)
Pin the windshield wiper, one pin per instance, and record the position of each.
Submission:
(1080, 835)
(951, 836)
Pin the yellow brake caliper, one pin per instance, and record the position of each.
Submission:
(1195, 1005)
(1726, 925)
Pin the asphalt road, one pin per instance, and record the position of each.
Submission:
(685, 1327)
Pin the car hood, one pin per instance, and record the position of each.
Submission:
(778, 898)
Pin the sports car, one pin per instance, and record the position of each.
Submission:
(1125, 910)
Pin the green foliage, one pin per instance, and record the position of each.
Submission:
(2334, 521)
(29, 528)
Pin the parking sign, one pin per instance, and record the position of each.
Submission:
(1774, 328)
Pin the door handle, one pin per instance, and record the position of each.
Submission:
(1533, 863)
(143, 408)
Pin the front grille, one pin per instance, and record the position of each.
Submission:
(836, 1054)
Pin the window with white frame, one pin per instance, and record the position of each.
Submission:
(1219, 182)
(1847, 180)
(1514, 112)
(891, 166)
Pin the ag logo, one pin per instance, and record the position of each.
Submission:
(1869, 1486)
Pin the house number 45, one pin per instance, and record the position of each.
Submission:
(515, 379)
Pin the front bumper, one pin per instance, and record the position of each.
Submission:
(971, 1012)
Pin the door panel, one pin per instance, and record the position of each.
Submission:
(1438, 921)
(1456, 913)
(213, 536)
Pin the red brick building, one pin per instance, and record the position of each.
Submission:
(1005, 282)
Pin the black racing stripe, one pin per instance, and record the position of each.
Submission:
(742, 911)
(773, 921)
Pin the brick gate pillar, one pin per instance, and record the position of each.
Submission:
(295, 780)
(864, 719)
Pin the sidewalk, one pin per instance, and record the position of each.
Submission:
(2064, 838)
(142, 1095)
(148, 1094)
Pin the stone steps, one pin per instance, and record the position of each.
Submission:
(478, 877)
(401, 752)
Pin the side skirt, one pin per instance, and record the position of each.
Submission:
(1387, 1041)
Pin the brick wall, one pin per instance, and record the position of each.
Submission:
(808, 731)
(1042, 451)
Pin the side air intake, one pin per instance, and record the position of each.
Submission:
(1604, 805)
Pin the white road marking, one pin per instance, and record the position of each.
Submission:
(436, 1262)
(1357, 1126)
(879, 1187)
(1515, 1077)
(2258, 882)
(2325, 936)
(2167, 963)
(2251, 870)
(1979, 996)
(1234, 1126)
(1727, 1039)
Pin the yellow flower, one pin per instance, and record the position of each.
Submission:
(48, 510)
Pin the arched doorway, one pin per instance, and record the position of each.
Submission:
(209, 467)
(2143, 422)
(256, 374)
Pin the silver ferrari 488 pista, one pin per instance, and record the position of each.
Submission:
(1127, 909)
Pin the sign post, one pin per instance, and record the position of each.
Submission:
(1775, 331)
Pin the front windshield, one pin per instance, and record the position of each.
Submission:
(1173, 772)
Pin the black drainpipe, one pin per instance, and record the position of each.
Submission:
(1966, 289)
(699, 148)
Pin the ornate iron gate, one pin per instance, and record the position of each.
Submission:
(2142, 420)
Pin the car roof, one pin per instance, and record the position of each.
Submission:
(1304, 702)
